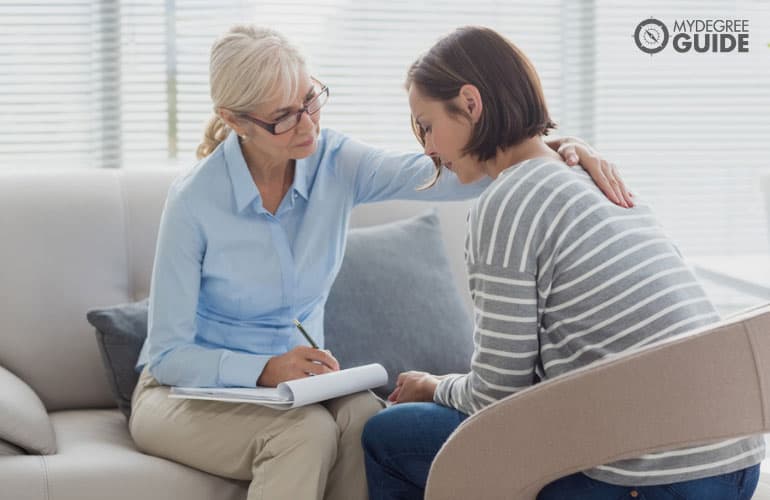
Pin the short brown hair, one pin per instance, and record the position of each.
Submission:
(514, 104)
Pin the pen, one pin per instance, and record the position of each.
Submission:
(304, 333)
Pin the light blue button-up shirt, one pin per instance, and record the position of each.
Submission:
(229, 277)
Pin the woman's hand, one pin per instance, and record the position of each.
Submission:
(604, 173)
(300, 362)
(414, 386)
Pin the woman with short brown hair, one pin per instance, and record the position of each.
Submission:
(560, 278)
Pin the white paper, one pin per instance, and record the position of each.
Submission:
(294, 393)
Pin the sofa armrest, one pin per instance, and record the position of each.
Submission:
(24, 422)
(710, 385)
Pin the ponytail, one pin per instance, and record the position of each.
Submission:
(216, 132)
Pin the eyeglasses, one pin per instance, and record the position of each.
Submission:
(419, 133)
(311, 107)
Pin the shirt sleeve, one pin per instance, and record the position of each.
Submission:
(506, 331)
(505, 349)
(379, 175)
(174, 358)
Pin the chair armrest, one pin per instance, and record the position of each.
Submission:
(710, 385)
(24, 421)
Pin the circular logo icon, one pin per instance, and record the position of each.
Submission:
(651, 36)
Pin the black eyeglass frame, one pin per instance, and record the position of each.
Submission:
(270, 127)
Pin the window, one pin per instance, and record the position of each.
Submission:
(690, 130)
(123, 83)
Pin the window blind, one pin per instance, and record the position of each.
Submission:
(59, 84)
(690, 130)
(123, 83)
(361, 50)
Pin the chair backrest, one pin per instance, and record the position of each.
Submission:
(709, 385)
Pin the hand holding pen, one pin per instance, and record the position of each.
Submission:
(300, 362)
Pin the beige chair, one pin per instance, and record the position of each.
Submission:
(709, 385)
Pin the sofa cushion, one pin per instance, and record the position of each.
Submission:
(24, 422)
(394, 283)
(120, 333)
(97, 460)
(395, 302)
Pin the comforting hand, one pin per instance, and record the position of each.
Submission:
(604, 173)
(414, 386)
(300, 362)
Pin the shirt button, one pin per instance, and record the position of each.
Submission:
(634, 493)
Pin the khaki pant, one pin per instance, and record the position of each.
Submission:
(313, 452)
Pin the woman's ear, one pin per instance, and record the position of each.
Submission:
(471, 101)
(230, 119)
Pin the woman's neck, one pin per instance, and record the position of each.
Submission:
(262, 169)
(533, 147)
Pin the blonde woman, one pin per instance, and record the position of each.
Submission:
(251, 238)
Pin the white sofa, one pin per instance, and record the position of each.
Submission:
(71, 240)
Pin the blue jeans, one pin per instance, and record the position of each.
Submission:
(400, 443)
(738, 485)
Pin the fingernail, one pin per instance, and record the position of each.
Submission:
(573, 158)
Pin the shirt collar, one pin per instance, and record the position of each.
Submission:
(244, 189)
(300, 177)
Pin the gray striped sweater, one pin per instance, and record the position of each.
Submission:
(560, 277)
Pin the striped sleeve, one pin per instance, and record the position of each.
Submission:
(505, 300)
(505, 343)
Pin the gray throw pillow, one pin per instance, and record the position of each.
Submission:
(395, 302)
(120, 333)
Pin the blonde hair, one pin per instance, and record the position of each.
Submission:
(249, 65)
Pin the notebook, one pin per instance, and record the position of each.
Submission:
(294, 393)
